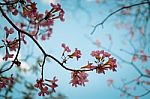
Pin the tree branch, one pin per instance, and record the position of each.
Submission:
(40, 47)
(19, 40)
(10, 2)
(130, 94)
(125, 7)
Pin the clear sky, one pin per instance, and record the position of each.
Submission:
(74, 32)
(77, 26)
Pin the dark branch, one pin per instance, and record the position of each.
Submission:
(125, 7)
(130, 94)
(40, 47)
(42, 73)
(16, 57)
(9, 2)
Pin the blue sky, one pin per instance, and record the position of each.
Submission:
(78, 24)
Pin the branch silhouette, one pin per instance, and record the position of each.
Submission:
(125, 7)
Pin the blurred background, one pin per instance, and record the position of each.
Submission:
(125, 35)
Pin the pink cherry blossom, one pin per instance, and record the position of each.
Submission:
(106, 54)
(109, 82)
(147, 71)
(53, 83)
(9, 31)
(104, 61)
(57, 8)
(23, 38)
(135, 58)
(97, 53)
(76, 53)
(78, 78)
(6, 81)
(144, 57)
(66, 48)
(30, 10)
(136, 97)
(13, 45)
(39, 83)
(44, 91)
(7, 55)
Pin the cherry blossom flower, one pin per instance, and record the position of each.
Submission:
(53, 83)
(136, 97)
(106, 54)
(15, 12)
(61, 15)
(103, 61)
(144, 57)
(30, 10)
(49, 32)
(13, 45)
(3, 84)
(39, 83)
(78, 78)
(76, 53)
(88, 66)
(147, 71)
(134, 58)
(101, 69)
(44, 90)
(12, 9)
(9, 31)
(7, 55)
(66, 48)
(97, 43)
(43, 37)
(97, 53)
(6, 81)
(47, 23)
(57, 8)
(109, 82)
(112, 64)
(98, 1)
(28, 0)
(23, 38)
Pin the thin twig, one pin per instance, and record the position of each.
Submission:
(125, 7)
(19, 36)
(9, 2)
(130, 94)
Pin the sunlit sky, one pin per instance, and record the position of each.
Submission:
(77, 26)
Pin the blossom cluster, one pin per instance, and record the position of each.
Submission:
(35, 19)
(76, 54)
(40, 84)
(10, 45)
(141, 56)
(78, 78)
(103, 62)
(6, 81)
